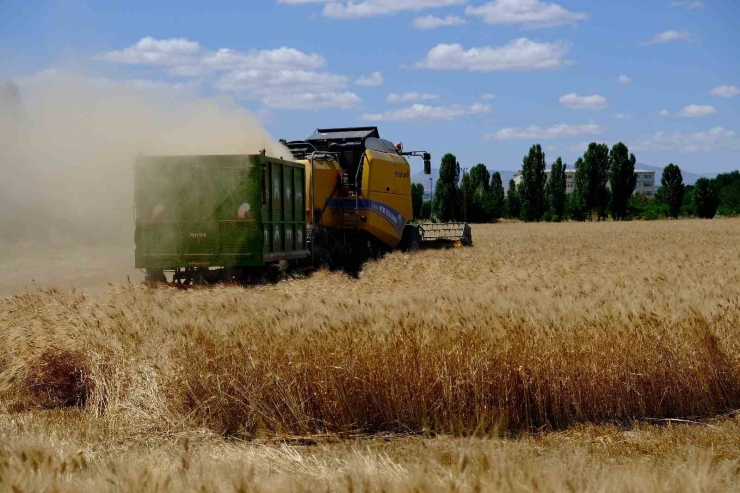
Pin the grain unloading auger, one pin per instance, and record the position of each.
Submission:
(344, 197)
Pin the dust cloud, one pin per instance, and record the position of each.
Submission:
(67, 149)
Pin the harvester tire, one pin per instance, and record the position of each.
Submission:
(411, 239)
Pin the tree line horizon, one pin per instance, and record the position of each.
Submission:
(604, 185)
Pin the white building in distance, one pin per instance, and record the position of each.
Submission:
(645, 181)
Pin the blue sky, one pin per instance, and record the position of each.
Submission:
(482, 79)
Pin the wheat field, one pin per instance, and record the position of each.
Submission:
(548, 357)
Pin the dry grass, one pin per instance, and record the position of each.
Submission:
(538, 327)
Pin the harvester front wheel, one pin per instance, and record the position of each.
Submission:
(411, 239)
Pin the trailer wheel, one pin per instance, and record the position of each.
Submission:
(155, 276)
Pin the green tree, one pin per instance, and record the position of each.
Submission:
(497, 196)
(574, 207)
(426, 209)
(672, 189)
(706, 199)
(470, 210)
(532, 187)
(417, 198)
(592, 174)
(555, 190)
(479, 176)
(728, 188)
(446, 191)
(513, 205)
(622, 179)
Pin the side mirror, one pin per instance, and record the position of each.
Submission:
(427, 163)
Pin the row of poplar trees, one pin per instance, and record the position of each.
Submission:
(537, 198)
(478, 197)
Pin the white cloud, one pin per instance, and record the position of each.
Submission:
(312, 100)
(726, 91)
(186, 58)
(424, 112)
(280, 89)
(623, 79)
(551, 148)
(694, 110)
(665, 113)
(488, 96)
(410, 96)
(433, 22)
(150, 51)
(279, 58)
(576, 102)
(279, 78)
(374, 79)
(532, 14)
(579, 147)
(689, 5)
(562, 130)
(706, 141)
(354, 9)
(668, 36)
(519, 54)
(622, 116)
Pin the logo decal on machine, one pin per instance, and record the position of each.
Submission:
(388, 213)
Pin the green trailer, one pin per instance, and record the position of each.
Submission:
(218, 218)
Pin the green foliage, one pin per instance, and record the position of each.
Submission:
(641, 207)
(479, 176)
(446, 191)
(687, 206)
(592, 174)
(426, 210)
(532, 188)
(672, 189)
(706, 198)
(573, 207)
(622, 179)
(417, 199)
(555, 191)
(497, 196)
(513, 205)
(728, 187)
(485, 208)
(469, 209)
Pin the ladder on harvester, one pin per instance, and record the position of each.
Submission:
(351, 215)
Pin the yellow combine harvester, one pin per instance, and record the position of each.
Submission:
(344, 197)
(359, 190)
